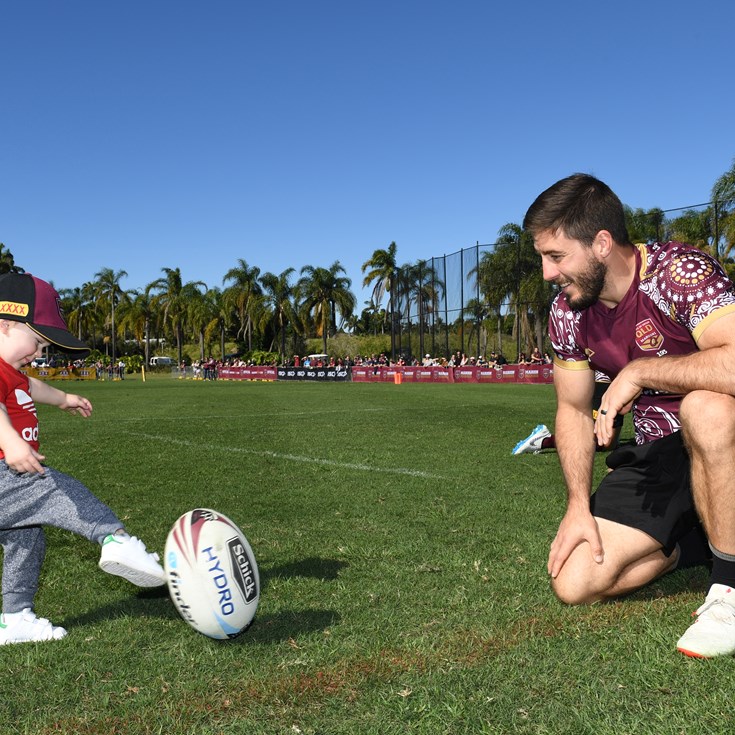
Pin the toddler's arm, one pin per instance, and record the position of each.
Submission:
(45, 393)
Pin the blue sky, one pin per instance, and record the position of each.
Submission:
(142, 135)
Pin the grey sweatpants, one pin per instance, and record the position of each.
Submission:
(28, 502)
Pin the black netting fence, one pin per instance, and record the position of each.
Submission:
(437, 306)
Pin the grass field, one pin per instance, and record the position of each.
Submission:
(402, 557)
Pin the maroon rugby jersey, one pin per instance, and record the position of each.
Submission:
(677, 292)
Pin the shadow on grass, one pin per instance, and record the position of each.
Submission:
(314, 567)
(155, 603)
(288, 624)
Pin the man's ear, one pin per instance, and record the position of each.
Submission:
(603, 244)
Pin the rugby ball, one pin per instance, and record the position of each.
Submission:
(212, 574)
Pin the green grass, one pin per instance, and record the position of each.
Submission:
(402, 557)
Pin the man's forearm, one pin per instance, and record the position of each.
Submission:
(575, 445)
(712, 370)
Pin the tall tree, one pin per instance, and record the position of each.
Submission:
(423, 290)
(381, 273)
(137, 317)
(645, 225)
(108, 290)
(723, 197)
(172, 299)
(78, 306)
(7, 262)
(221, 320)
(201, 310)
(477, 310)
(693, 226)
(511, 274)
(497, 276)
(325, 293)
(243, 295)
(279, 298)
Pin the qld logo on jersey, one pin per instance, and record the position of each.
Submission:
(647, 336)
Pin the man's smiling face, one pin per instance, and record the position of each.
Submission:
(572, 267)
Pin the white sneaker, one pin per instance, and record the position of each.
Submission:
(127, 557)
(25, 627)
(532, 443)
(713, 633)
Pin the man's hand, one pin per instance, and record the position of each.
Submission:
(574, 529)
(618, 398)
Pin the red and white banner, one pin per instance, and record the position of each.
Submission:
(412, 374)
(256, 372)
(505, 374)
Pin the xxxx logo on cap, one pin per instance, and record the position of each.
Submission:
(13, 308)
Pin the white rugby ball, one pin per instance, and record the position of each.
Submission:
(212, 574)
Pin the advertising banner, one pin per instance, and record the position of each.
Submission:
(254, 372)
(466, 374)
(310, 373)
(60, 373)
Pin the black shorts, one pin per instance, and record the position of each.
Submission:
(600, 389)
(649, 489)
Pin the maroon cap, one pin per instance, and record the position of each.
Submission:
(25, 298)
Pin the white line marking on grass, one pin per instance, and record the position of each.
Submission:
(288, 457)
(240, 415)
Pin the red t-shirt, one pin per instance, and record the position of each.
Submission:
(15, 394)
(677, 292)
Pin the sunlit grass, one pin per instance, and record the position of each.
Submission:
(402, 556)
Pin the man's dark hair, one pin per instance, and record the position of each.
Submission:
(579, 206)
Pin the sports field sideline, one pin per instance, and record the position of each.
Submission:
(402, 558)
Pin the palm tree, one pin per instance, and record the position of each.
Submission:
(511, 274)
(421, 288)
(243, 295)
(325, 294)
(221, 320)
(107, 289)
(78, 306)
(477, 311)
(723, 196)
(7, 262)
(494, 286)
(644, 225)
(201, 310)
(381, 270)
(172, 298)
(279, 298)
(137, 317)
(694, 227)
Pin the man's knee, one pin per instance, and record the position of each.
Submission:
(580, 582)
(571, 594)
(700, 412)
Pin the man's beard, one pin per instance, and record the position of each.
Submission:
(589, 284)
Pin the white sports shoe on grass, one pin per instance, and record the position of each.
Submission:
(713, 632)
(127, 557)
(25, 627)
(532, 443)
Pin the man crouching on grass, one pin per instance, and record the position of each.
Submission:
(660, 321)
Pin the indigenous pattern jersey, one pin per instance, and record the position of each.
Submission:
(15, 395)
(677, 292)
